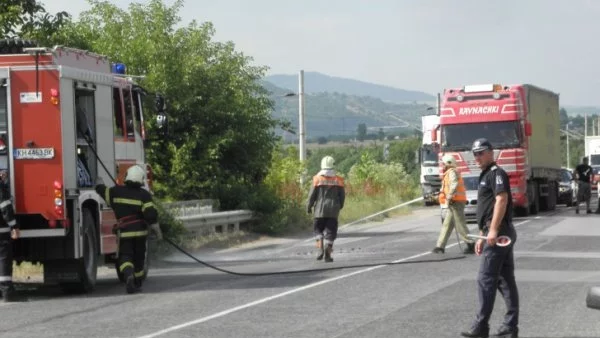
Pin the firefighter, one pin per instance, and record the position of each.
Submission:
(453, 198)
(135, 211)
(327, 196)
(497, 267)
(584, 174)
(9, 231)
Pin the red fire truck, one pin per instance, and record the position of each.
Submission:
(522, 123)
(67, 116)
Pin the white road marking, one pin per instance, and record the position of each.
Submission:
(287, 293)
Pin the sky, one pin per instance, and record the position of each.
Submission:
(425, 45)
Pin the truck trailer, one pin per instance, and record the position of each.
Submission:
(428, 159)
(522, 123)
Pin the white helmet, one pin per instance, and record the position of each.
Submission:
(136, 174)
(327, 162)
(449, 160)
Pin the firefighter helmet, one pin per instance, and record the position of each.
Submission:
(327, 162)
(449, 160)
(135, 174)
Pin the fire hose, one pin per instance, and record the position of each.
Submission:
(185, 252)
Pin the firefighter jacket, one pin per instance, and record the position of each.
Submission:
(7, 221)
(133, 208)
(327, 195)
(453, 187)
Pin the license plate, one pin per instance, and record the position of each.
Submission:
(33, 153)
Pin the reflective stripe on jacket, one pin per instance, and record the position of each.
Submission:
(133, 207)
(327, 196)
(453, 185)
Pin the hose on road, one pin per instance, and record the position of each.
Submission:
(291, 271)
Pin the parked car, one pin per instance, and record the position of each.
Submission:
(567, 189)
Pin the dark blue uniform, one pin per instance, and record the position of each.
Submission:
(497, 267)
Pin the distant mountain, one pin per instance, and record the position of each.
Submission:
(316, 82)
(581, 110)
(329, 114)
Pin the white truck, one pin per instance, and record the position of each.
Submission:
(428, 158)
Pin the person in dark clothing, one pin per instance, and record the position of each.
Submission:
(497, 268)
(327, 196)
(135, 211)
(9, 231)
(584, 174)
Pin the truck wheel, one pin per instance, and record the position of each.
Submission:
(535, 203)
(87, 266)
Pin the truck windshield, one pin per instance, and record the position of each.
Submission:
(460, 137)
(594, 159)
(429, 156)
(471, 182)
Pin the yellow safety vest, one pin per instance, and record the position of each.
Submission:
(460, 194)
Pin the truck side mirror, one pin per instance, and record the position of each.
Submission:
(162, 123)
(434, 134)
(528, 130)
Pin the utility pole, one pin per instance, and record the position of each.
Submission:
(568, 148)
(301, 127)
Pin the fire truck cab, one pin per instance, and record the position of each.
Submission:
(67, 117)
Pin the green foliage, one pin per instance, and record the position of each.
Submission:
(221, 129)
(29, 19)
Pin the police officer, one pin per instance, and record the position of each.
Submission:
(9, 231)
(135, 211)
(326, 196)
(497, 264)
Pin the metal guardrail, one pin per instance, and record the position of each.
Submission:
(216, 222)
(199, 217)
(190, 208)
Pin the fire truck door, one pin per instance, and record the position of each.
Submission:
(4, 111)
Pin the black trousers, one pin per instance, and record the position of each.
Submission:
(6, 262)
(497, 272)
(327, 228)
(132, 256)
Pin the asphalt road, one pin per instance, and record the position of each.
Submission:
(557, 260)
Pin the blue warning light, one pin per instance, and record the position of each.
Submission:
(118, 68)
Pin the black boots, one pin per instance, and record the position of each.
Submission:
(470, 249)
(324, 250)
(328, 251)
(476, 333)
(438, 250)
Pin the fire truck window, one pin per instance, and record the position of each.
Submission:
(138, 112)
(118, 114)
(128, 113)
(85, 122)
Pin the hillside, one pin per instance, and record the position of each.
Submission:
(330, 114)
(316, 82)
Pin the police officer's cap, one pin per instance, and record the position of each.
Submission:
(480, 145)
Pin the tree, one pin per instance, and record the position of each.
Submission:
(564, 117)
(221, 135)
(361, 132)
(29, 19)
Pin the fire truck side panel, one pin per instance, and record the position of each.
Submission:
(36, 126)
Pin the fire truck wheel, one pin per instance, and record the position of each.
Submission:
(87, 266)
